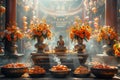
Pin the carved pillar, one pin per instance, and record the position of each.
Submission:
(111, 13)
(10, 12)
(10, 20)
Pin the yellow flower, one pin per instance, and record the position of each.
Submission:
(116, 48)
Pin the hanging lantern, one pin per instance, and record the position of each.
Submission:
(96, 19)
(94, 9)
(90, 3)
(26, 8)
(24, 18)
(2, 9)
(24, 28)
(25, 24)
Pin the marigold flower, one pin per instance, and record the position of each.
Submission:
(107, 33)
(13, 33)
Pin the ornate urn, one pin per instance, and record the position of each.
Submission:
(41, 47)
(109, 48)
(11, 48)
(80, 47)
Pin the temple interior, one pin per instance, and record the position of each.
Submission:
(59, 39)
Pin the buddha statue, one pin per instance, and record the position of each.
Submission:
(60, 45)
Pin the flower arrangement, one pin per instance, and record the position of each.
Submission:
(13, 33)
(40, 30)
(116, 48)
(80, 31)
(107, 33)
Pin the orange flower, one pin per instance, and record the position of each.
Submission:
(80, 31)
(99, 39)
(107, 32)
(71, 35)
(49, 34)
(117, 53)
(13, 33)
(39, 30)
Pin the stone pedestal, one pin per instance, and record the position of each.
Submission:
(48, 60)
(10, 59)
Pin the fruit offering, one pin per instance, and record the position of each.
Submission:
(37, 70)
(104, 71)
(60, 68)
(103, 66)
(81, 70)
(15, 65)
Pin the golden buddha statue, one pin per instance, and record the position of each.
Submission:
(60, 45)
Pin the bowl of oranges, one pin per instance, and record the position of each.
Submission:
(104, 71)
(60, 71)
(14, 69)
(36, 71)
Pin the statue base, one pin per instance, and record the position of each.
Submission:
(60, 49)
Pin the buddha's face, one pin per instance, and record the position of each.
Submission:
(60, 37)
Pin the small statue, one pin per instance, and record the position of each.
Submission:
(60, 45)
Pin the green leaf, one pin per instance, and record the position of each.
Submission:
(85, 39)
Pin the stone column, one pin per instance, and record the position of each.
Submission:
(10, 20)
(10, 12)
(111, 13)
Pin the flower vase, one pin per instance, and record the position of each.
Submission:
(109, 48)
(11, 48)
(80, 47)
(40, 45)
